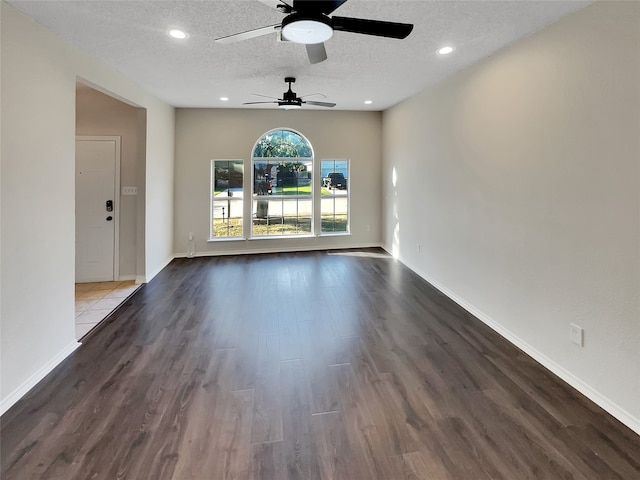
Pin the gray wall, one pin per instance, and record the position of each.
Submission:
(206, 134)
(514, 187)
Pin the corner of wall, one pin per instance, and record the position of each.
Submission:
(7, 402)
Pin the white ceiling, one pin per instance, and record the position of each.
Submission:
(130, 36)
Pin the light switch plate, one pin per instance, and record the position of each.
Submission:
(576, 334)
(129, 190)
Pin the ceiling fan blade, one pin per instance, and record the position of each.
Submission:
(317, 6)
(284, 7)
(257, 32)
(256, 103)
(313, 95)
(320, 104)
(265, 96)
(316, 52)
(372, 27)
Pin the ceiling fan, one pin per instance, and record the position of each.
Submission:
(290, 100)
(308, 22)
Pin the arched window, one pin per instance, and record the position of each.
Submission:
(282, 185)
(282, 144)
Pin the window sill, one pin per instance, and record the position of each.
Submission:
(335, 234)
(281, 237)
(276, 237)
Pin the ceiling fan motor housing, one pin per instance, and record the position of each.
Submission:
(289, 98)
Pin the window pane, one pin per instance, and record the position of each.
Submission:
(293, 178)
(227, 174)
(263, 175)
(334, 175)
(267, 217)
(227, 218)
(297, 216)
(227, 198)
(282, 144)
(334, 203)
(282, 216)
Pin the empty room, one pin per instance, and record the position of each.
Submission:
(353, 239)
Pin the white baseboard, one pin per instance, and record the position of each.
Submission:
(587, 390)
(140, 279)
(149, 276)
(122, 278)
(276, 249)
(33, 380)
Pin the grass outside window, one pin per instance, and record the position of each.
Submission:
(264, 227)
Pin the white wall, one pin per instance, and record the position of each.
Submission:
(519, 179)
(206, 134)
(39, 72)
(159, 193)
(100, 114)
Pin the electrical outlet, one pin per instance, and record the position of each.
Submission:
(368, 228)
(418, 248)
(576, 334)
(190, 235)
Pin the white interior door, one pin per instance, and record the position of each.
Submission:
(97, 173)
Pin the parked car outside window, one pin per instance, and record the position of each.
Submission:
(335, 180)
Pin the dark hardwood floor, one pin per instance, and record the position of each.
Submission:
(341, 365)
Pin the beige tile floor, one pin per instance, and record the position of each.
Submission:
(94, 301)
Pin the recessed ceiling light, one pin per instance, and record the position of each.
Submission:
(445, 50)
(224, 99)
(179, 34)
(368, 102)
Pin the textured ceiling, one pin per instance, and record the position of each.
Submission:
(130, 36)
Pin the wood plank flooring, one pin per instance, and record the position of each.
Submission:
(305, 366)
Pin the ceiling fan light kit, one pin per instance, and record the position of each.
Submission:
(306, 29)
(288, 106)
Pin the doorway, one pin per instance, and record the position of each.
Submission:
(108, 127)
(97, 208)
